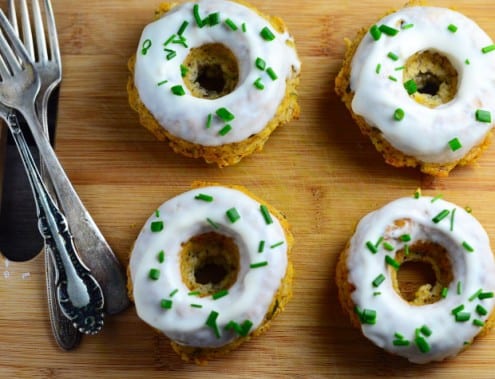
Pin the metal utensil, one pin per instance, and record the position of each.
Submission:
(92, 246)
(49, 68)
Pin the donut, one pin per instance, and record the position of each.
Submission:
(210, 269)
(440, 319)
(421, 84)
(214, 78)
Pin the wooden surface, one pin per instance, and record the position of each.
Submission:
(318, 170)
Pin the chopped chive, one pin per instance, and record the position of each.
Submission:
(260, 64)
(452, 28)
(467, 61)
(169, 40)
(193, 293)
(458, 309)
(475, 295)
(444, 292)
(399, 114)
(171, 54)
(439, 217)
(481, 310)
(266, 214)
(401, 342)
(380, 240)
(154, 274)
(183, 27)
(377, 293)
(400, 68)
(406, 249)
(405, 237)
(157, 213)
(371, 247)
(387, 246)
(467, 247)
(392, 78)
(183, 70)
(166, 304)
(204, 197)
(146, 46)
(246, 327)
(212, 223)
(378, 68)
(378, 280)
(213, 19)
(459, 287)
(422, 344)
(199, 21)
(452, 216)
(398, 336)
(178, 90)
(407, 26)
(157, 226)
(366, 316)
(455, 144)
(161, 256)
(485, 295)
(393, 56)
(233, 215)
(462, 316)
(279, 243)
(219, 294)
(243, 27)
(225, 130)
(479, 323)
(258, 84)
(267, 34)
(483, 116)
(196, 305)
(392, 262)
(375, 32)
(162, 83)
(388, 30)
(225, 114)
(425, 330)
(261, 246)
(259, 264)
(417, 193)
(231, 24)
(488, 49)
(208, 120)
(411, 86)
(181, 41)
(173, 292)
(271, 73)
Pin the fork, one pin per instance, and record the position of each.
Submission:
(79, 294)
(92, 246)
(50, 71)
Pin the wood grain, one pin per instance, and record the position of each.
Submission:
(318, 170)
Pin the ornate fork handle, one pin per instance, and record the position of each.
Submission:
(79, 294)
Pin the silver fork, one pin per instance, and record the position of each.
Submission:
(79, 294)
(92, 246)
(50, 71)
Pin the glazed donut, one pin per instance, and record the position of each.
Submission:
(421, 84)
(217, 226)
(214, 78)
(440, 320)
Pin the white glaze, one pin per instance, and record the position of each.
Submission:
(474, 270)
(424, 133)
(250, 296)
(186, 116)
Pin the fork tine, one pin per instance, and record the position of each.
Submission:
(11, 48)
(52, 32)
(40, 32)
(26, 29)
(13, 16)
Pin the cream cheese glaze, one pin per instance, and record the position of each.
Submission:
(251, 295)
(425, 133)
(473, 270)
(186, 116)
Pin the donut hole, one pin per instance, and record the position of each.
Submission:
(435, 76)
(212, 71)
(424, 272)
(209, 263)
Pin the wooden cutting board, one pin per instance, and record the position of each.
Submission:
(318, 170)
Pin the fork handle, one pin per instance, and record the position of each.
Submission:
(94, 249)
(79, 295)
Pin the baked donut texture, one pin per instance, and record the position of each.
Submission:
(214, 78)
(440, 320)
(210, 269)
(421, 84)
